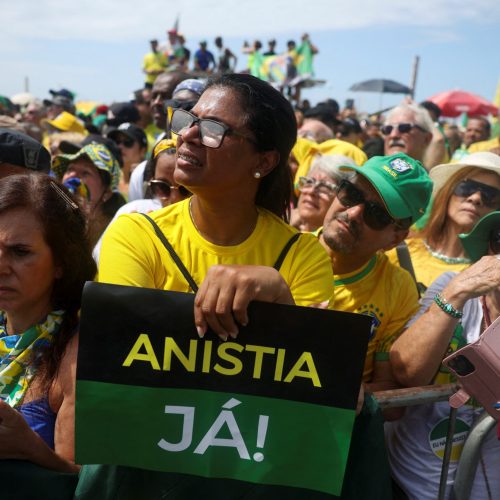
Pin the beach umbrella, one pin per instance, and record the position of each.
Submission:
(455, 102)
(382, 86)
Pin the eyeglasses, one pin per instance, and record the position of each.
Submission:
(375, 215)
(211, 132)
(495, 241)
(322, 187)
(403, 128)
(127, 142)
(162, 189)
(490, 196)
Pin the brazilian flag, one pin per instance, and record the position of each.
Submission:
(274, 407)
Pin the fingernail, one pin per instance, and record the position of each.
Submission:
(233, 335)
(201, 332)
(223, 337)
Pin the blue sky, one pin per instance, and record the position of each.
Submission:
(95, 48)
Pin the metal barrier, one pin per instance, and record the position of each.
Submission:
(471, 452)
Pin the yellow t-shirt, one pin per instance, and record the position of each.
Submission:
(154, 62)
(427, 267)
(484, 145)
(305, 151)
(152, 133)
(133, 255)
(383, 291)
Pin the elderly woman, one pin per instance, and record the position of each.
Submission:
(232, 152)
(317, 191)
(455, 311)
(96, 167)
(45, 261)
(463, 193)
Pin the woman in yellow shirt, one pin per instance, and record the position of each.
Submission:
(232, 153)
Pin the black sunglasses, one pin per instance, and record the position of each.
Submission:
(495, 241)
(211, 132)
(162, 189)
(375, 215)
(403, 128)
(127, 142)
(489, 195)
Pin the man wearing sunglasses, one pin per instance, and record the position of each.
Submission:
(408, 129)
(371, 213)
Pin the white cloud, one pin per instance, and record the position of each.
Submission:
(123, 20)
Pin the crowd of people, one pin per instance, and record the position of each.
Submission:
(231, 174)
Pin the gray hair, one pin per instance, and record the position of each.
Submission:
(422, 116)
(330, 165)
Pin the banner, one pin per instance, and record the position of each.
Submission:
(276, 406)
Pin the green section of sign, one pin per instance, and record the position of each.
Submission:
(213, 434)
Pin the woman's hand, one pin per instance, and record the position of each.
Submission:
(16, 437)
(222, 300)
(479, 279)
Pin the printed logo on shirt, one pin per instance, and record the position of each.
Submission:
(374, 312)
(437, 438)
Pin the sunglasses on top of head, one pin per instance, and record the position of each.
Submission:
(375, 216)
(403, 128)
(490, 195)
(210, 132)
(163, 189)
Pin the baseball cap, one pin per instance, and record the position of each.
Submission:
(484, 159)
(195, 86)
(66, 122)
(130, 130)
(59, 100)
(22, 150)
(402, 182)
(121, 112)
(477, 242)
(63, 92)
(98, 154)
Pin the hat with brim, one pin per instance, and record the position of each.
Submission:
(484, 159)
(131, 131)
(98, 154)
(66, 122)
(402, 183)
(477, 242)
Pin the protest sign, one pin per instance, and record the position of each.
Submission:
(275, 406)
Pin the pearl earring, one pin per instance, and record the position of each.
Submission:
(257, 175)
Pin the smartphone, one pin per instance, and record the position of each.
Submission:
(349, 103)
(477, 367)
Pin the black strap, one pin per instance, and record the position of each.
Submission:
(171, 251)
(284, 252)
(404, 258)
(182, 267)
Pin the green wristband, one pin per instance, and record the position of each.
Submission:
(447, 307)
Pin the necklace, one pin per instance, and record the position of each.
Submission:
(445, 258)
(190, 205)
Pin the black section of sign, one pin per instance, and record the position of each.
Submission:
(113, 317)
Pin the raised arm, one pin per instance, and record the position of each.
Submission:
(417, 354)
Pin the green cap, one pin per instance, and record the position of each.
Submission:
(402, 183)
(98, 154)
(477, 242)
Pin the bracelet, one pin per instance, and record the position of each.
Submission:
(447, 307)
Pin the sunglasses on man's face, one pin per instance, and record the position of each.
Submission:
(210, 132)
(126, 141)
(495, 241)
(162, 189)
(490, 196)
(403, 128)
(375, 215)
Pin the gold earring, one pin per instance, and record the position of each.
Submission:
(257, 175)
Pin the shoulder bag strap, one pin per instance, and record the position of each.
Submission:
(171, 251)
(284, 252)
